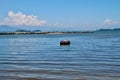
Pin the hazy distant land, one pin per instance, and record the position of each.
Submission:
(23, 31)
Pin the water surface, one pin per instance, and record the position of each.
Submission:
(91, 56)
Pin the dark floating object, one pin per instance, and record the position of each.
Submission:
(65, 42)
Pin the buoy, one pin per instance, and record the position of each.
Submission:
(65, 42)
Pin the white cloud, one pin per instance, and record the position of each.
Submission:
(111, 22)
(107, 21)
(20, 19)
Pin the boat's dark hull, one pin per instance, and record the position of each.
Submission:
(65, 43)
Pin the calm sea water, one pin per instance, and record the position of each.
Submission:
(91, 56)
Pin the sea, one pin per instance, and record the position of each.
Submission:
(90, 56)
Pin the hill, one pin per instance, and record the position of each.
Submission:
(4, 28)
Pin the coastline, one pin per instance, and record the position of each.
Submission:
(72, 32)
(55, 32)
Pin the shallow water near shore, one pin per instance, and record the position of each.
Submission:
(91, 56)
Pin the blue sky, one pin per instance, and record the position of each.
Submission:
(61, 14)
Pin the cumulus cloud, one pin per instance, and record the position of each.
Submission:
(107, 21)
(20, 19)
(111, 22)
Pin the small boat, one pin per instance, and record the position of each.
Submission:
(65, 42)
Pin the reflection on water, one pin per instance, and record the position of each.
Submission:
(94, 56)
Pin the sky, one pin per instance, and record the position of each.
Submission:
(60, 14)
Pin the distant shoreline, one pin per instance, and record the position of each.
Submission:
(56, 32)
(15, 33)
